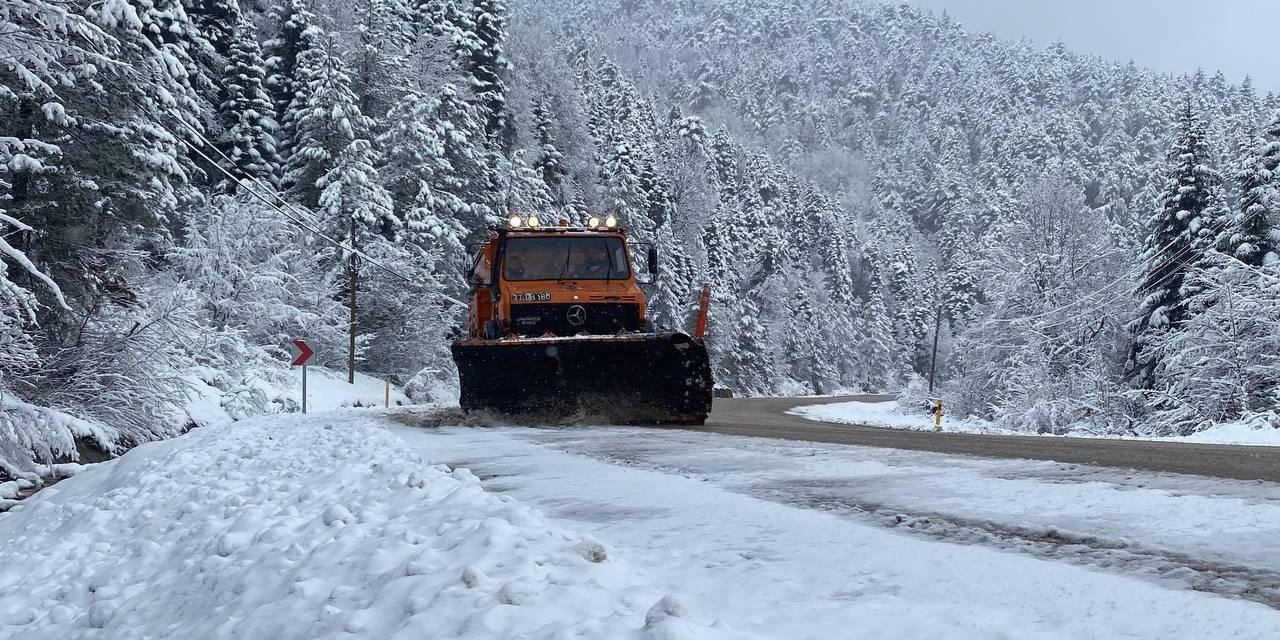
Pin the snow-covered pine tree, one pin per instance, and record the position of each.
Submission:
(1223, 364)
(749, 360)
(413, 165)
(808, 360)
(352, 190)
(472, 175)
(217, 21)
(914, 301)
(90, 151)
(246, 113)
(521, 186)
(723, 268)
(1251, 234)
(297, 30)
(448, 21)
(548, 162)
(93, 111)
(486, 69)
(879, 352)
(379, 60)
(1175, 242)
(48, 49)
(357, 210)
(620, 184)
(675, 292)
(322, 121)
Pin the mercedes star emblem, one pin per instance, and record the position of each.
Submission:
(577, 315)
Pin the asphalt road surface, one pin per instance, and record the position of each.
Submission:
(767, 418)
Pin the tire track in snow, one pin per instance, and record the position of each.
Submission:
(1168, 568)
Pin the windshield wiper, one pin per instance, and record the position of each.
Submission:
(568, 254)
(608, 259)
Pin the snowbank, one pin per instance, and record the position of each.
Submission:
(1233, 433)
(891, 415)
(318, 526)
(215, 399)
(32, 437)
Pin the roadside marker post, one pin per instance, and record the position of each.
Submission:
(302, 352)
(704, 303)
(937, 413)
(386, 394)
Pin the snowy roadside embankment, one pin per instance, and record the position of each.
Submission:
(33, 438)
(36, 440)
(891, 415)
(212, 399)
(306, 527)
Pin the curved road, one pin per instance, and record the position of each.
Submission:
(767, 418)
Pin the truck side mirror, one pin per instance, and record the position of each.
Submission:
(653, 260)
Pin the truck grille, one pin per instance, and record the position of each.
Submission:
(597, 319)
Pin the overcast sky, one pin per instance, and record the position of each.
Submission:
(1174, 36)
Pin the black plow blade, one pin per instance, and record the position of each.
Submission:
(628, 379)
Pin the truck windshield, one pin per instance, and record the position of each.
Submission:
(565, 258)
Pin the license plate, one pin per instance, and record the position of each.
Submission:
(531, 297)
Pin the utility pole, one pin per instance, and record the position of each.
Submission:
(933, 362)
(352, 269)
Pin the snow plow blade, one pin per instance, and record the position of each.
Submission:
(626, 379)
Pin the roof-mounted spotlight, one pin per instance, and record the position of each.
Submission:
(533, 222)
(611, 222)
(593, 222)
(515, 221)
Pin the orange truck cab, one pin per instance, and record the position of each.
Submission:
(557, 281)
(557, 326)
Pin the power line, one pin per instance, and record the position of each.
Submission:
(1123, 277)
(264, 199)
(1118, 280)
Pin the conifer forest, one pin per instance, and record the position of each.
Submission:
(185, 185)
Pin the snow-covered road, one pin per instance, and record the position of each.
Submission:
(347, 525)
(795, 540)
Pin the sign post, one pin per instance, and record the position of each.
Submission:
(302, 352)
(704, 303)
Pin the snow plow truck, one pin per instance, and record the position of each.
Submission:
(557, 327)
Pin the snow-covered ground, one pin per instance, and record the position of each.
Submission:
(887, 414)
(32, 437)
(364, 524)
(891, 415)
(326, 389)
(324, 526)
(795, 540)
